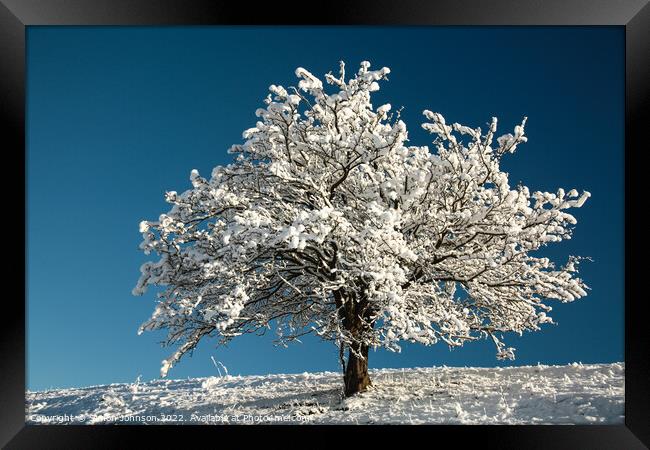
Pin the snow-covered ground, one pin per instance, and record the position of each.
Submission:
(572, 394)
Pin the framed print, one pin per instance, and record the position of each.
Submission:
(373, 217)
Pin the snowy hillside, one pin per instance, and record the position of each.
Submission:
(579, 394)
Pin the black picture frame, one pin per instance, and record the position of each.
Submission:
(633, 15)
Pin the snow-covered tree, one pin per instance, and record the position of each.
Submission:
(327, 222)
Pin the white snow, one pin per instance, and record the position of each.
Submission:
(572, 394)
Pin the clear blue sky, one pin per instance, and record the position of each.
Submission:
(117, 116)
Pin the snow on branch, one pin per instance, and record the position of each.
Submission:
(327, 222)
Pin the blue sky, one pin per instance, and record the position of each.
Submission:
(116, 116)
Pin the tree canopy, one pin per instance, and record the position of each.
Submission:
(327, 222)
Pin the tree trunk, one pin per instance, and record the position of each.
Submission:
(356, 319)
(356, 371)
